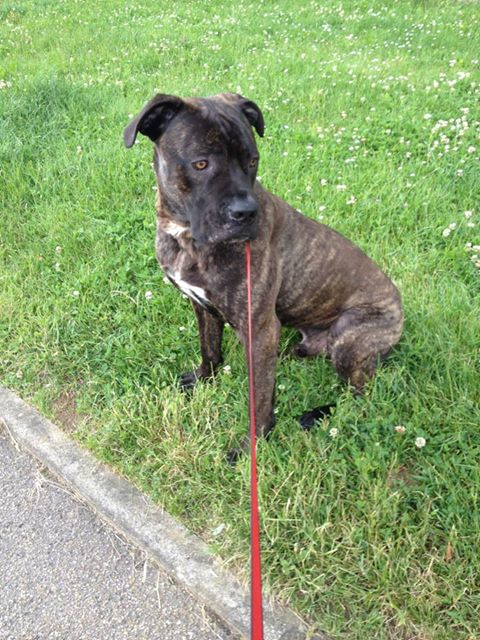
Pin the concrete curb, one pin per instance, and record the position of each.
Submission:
(180, 553)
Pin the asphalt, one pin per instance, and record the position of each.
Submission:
(66, 574)
(84, 554)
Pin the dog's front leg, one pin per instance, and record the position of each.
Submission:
(266, 336)
(210, 328)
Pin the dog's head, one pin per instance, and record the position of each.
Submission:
(205, 161)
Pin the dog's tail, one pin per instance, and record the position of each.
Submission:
(309, 418)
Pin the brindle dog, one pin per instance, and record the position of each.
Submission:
(305, 274)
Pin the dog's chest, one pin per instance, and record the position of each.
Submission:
(183, 271)
(193, 291)
(198, 276)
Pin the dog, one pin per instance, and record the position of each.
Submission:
(305, 275)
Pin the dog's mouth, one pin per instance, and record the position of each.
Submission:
(230, 233)
(242, 231)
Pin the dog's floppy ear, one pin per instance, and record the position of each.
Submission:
(153, 119)
(249, 109)
(253, 115)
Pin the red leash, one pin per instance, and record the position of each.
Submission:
(256, 629)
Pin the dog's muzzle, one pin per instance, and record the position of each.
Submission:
(241, 210)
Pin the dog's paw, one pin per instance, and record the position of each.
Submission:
(233, 455)
(187, 381)
(309, 418)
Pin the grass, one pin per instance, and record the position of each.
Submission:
(373, 125)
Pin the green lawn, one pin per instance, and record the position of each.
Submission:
(373, 125)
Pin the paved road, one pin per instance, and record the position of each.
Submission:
(65, 575)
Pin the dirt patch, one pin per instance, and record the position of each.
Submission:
(65, 413)
(400, 475)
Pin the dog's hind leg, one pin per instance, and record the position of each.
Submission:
(361, 338)
(211, 331)
(356, 343)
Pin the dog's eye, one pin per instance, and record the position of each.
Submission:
(253, 162)
(200, 165)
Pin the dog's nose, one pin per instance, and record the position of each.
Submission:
(242, 209)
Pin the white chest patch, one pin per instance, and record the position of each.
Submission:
(190, 290)
(174, 229)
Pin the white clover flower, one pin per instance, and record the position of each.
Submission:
(452, 225)
(420, 442)
(400, 428)
(351, 200)
(148, 295)
(58, 249)
(459, 173)
(323, 182)
(341, 187)
(281, 387)
(427, 116)
(333, 432)
(182, 328)
(468, 214)
(471, 149)
(166, 280)
(446, 232)
(227, 369)
(75, 293)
